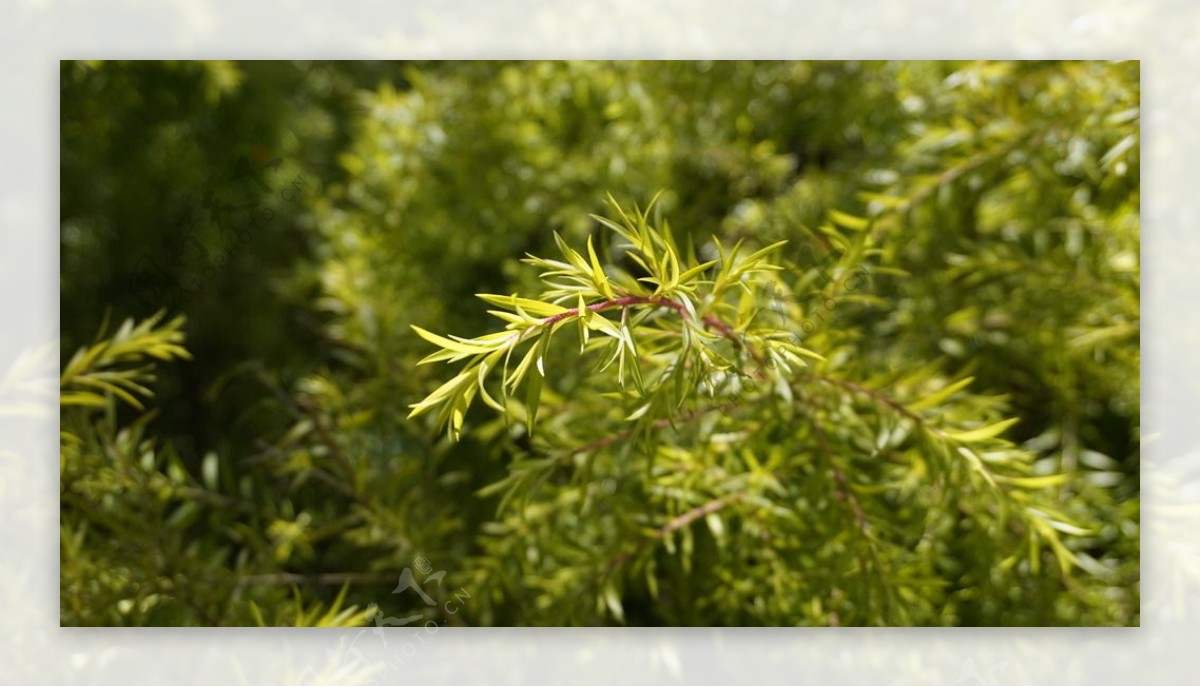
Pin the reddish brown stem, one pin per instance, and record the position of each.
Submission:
(709, 321)
(618, 303)
(685, 519)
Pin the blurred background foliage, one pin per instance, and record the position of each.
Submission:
(302, 215)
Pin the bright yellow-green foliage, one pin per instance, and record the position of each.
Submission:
(682, 357)
(727, 422)
(753, 343)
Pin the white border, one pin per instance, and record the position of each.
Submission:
(34, 35)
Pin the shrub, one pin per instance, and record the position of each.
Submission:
(869, 357)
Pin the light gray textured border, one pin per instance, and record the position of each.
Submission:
(35, 34)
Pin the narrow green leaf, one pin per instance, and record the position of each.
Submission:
(848, 221)
(1059, 523)
(484, 367)
(940, 395)
(511, 318)
(439, 395)
(514, 303)
(208, 470)
(81, 398)
(760, 253)
(450, 344)
(598, 275)
(571, 254)
(613, 600)
(638, 413)
(693, 271)
(982, 433)
(582, 317)
(522, 368)
(1040, 482)
(533, 399)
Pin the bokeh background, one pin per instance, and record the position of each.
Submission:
(40, 33)
(302, 215)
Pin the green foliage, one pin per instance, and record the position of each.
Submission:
(684, 355)
(873, 491)
(881, 366)
(130, 507)
(106, 367)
